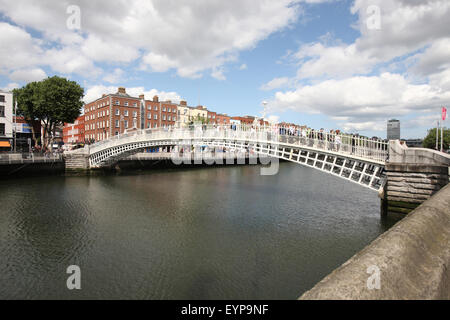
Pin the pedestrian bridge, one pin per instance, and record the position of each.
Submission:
(353, 158)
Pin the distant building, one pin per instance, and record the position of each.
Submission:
(6, 120)
(74, 132)
(114, 114)
(223, 119)
(414, 143)
(393, 129)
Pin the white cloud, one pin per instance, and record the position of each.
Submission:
(10, 86)
(28, 75)
(335, 76)
(362, 102)
(95, 92)
(243, 67)
(273, 119)
(98, 49)
(217, 73)
(18, 49)
(275, 83)
(190, 37)
(116, 76)
(317, 60)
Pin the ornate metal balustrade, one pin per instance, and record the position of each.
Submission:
(356, 159)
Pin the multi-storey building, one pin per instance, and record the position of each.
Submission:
(222, 119)
(393, 129)
(158, 114)
(187, 114)
(114, 114)
(6, 119)
(212, 117)
(74, 132)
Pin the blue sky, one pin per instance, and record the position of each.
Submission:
(348, 65)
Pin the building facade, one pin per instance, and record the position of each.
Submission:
(74, 132)
(6, 120)
(222, 119)
(393, 129)
(114, 114)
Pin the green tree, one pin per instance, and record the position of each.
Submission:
(53, 102)
(430, 139)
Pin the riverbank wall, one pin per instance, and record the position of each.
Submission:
(409, 261)
(413, 176)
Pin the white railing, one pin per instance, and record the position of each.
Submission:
(344, 144)
(12, 158)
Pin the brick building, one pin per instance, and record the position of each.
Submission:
(74, 132)
(222, 119)
(212, 117)
(114, 114)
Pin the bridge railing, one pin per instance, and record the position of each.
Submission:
(13, 158)
(356, 146)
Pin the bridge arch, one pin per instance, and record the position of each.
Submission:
(361, 161)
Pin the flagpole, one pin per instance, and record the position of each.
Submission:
(437, 135)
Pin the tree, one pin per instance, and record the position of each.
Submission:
(430, 139)
(53, 102)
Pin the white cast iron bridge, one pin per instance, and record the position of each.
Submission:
(356, 159)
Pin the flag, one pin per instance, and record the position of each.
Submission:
(444, 113)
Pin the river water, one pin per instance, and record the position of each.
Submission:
(204, 233)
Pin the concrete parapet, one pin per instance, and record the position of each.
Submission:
(400, 153)
(413, 259)
(413, 176)
(77, 162)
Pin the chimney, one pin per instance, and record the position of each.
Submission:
(142, 97)
(121, 90)
(155, 99)
(104, 95)
(183, 103)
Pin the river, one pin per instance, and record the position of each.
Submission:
(204, 233)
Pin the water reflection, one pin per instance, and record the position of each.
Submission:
(212, 233)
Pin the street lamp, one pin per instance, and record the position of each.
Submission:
(264, 103)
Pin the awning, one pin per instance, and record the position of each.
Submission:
(5, 144)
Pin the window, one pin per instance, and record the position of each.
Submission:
(2, 98)
(169, 118)
(126, 103)
(117, 103)
(174, 118)
(134, 123)
(117, 133)
(125, 124)
(155, 116)
(2, 111)
(2, 129)
(107, 112)
(155, 108)
(149, 116)
(135, 104)
(149, 108)
(134, 114)
(164, 109)
(117, 112)
(125, 112)
(164, 117)
(117, 124)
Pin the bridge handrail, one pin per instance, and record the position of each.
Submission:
(343, 143)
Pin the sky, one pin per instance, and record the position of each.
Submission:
(332, 64)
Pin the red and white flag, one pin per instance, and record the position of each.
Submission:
(444, 113)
